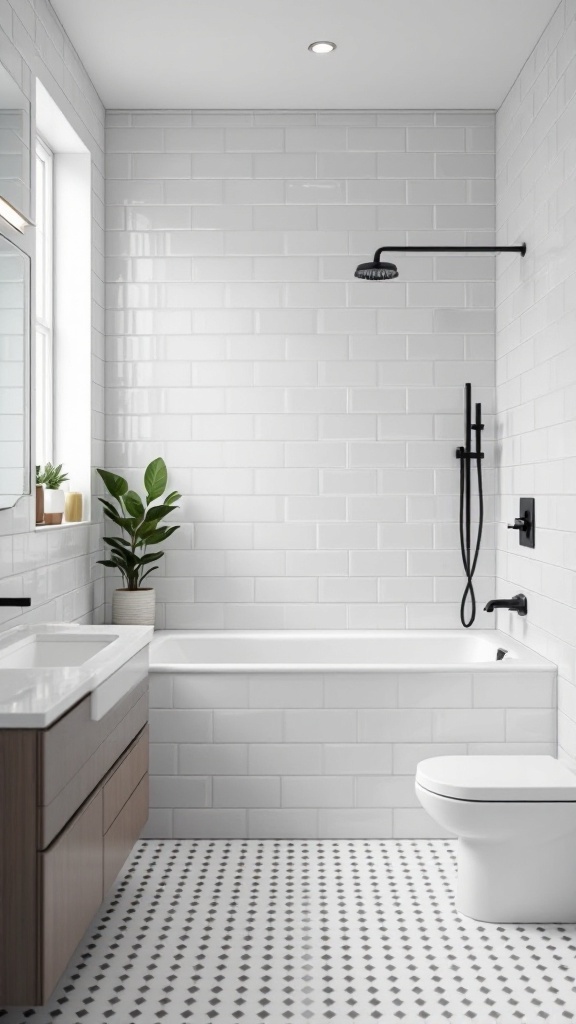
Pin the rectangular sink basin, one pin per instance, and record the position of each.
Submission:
(47, 668)
(47, 651)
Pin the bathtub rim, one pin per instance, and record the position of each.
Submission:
(527, 659)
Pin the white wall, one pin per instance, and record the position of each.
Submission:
(309, 419)
(57, 569)
(536, 351)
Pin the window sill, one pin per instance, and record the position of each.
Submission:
(61, 526)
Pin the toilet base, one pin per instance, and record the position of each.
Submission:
(507, 882)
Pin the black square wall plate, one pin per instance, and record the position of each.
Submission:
(526, 537)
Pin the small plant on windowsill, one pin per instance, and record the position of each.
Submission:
(54, 498)
(140, 523)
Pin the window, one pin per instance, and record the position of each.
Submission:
(63, 327)
(44, 303)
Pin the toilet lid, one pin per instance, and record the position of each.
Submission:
(498, 778)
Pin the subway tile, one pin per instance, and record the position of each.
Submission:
(164, 759)
(377, 139)
(395, 725)
(432, 690)
(180, 791)
(358, 758)
(275, 690)
(436, 140)
(251, 726)
(185, 727)
(406, 756)
(531, 725)
(285, 759)
(316, 191)
(285, 823)
(513, 690)
(329, 791)
(468, 725)
(319, 726)
(358, 823)
(361, 690)
(210, 823)
(246, 791)
(386, 791)
(407, 165)
(209, 691)
(212, 759)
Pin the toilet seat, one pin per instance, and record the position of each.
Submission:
(498, 778)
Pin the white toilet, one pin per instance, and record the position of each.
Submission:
(515, 818)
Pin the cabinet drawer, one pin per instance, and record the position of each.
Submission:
(124, 832)
(76, 752)
(123, 781)
(71, 887)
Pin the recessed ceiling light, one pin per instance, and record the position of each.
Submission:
(322, 46)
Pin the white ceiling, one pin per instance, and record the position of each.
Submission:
(253, 53)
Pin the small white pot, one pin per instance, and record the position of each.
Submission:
(53, 506)
(134, 607)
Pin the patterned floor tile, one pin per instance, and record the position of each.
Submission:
(243, 932)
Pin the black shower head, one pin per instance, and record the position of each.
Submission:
(376, 271)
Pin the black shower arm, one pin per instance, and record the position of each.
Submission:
(449, 248)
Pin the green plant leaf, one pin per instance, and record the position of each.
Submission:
(156, 512)
(118, 542)
(172, 497)
(111, 508)
(155, 479)
(53, 476)
(116, 485)
(107, 562)
(159, 536)
(147, 573)
(166, 531)
(133, 504)
(152, 556)
(122, 521)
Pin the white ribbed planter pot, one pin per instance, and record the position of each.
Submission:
(134, 607)
(53, 506)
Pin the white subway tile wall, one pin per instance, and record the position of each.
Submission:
(312, 755)
(536, 357)
(309, 419)
(57, 568)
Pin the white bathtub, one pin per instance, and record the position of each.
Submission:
(358, 651)
(314, 734)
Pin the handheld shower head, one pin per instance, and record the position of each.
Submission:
(376, 271)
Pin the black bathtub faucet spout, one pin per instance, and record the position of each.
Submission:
(518, 603)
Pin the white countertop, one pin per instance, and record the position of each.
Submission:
(34, 698)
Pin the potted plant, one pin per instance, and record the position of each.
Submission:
(39, 498)
(54, 497)
(140, 523)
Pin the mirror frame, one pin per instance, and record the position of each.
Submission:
(25, 207)
(8, 501)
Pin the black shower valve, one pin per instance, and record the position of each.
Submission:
(525, 523)
(521, 523)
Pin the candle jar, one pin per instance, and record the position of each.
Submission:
(73, 507)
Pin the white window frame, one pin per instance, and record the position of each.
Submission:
(44, 326)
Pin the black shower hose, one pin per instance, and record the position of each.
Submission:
(470, 569)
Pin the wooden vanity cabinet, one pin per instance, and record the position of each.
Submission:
(73, 801)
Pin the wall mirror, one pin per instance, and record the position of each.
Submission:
(14, 373)
(15, 156)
